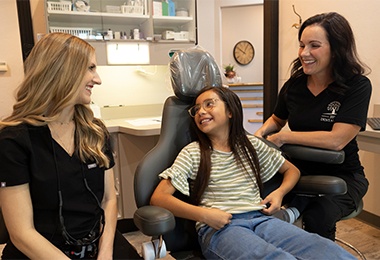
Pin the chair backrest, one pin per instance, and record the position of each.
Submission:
(191, 70)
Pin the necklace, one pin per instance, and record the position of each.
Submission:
(64, 137)
(63, 123)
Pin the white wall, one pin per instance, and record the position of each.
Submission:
(243, 23)
(11, 53)
(212, 33)
(363, 16)
(127, 85)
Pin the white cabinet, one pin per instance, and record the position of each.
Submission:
(105, 15)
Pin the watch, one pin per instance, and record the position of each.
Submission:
(243, 52)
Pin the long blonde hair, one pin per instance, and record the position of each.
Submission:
(54, 71)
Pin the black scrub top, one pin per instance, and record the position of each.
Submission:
(29, 154)
(306, 112)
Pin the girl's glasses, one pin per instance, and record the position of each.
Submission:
(207, 105)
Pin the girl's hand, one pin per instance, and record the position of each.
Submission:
(216, 218)
(274, 199)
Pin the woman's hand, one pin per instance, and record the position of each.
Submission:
(276, 139)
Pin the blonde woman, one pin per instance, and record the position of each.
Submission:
(57, 188)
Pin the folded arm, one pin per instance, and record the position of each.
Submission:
(336, 139)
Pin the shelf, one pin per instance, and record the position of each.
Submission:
(89, 26)
(252, 105)
(88, 17)
(255, 120)
(171, 20)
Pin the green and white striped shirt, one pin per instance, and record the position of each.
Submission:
(229, 188)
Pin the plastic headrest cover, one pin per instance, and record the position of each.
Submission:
(191, 70)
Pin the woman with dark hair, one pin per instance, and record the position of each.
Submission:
(325, 103)
(222, 173)
(57, 187)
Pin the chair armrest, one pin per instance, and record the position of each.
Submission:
(319, 185)
(313, 154)
(154, 221)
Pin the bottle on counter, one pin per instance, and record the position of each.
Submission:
(110, 34)
(136, 34)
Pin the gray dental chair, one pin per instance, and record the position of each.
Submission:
(191, 70)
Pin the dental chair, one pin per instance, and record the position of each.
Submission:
(192, 70)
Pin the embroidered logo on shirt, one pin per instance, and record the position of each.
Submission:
(92, 165)
(334, 108)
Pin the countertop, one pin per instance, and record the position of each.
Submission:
(142, 126)
(142, 120)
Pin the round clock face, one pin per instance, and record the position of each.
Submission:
(243, 52)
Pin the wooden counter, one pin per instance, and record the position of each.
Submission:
(134, 132)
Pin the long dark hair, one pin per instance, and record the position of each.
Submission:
(345, 61)
(238, 141)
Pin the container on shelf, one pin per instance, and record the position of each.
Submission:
(80, 32)
(59, 6)
(182, 12)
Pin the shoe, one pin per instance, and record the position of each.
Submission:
(282, 214)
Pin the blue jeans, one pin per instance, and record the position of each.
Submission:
(253, 235)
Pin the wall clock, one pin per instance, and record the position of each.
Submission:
(243, 52)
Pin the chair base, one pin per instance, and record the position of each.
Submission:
(352, 247)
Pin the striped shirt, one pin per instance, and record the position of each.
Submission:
(230, 188)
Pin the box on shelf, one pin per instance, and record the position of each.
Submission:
(165, 8)
(171, 8)
(113, 9)
(170, 35)
(157, 8)
(59, 6)
(132, 9)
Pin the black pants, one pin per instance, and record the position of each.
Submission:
(122, 250)
(320, 214)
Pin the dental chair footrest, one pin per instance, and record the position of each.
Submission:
(154, 221)
(319, 185)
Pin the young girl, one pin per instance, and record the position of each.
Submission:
(226, 170)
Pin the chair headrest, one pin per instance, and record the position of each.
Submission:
(191, 70)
